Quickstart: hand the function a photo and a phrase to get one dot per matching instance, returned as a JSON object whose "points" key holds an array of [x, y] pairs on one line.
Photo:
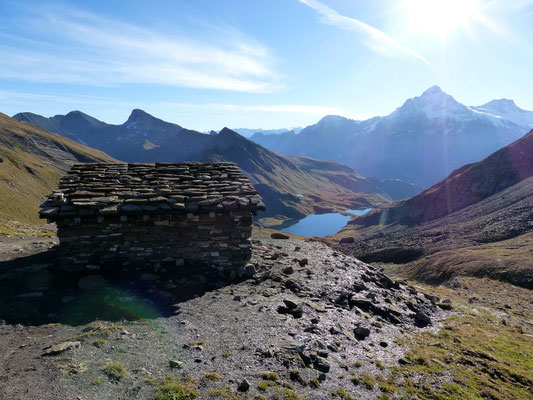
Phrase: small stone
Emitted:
{"points": [[244, 386], [174, 364], [303, 262], [60, 348], [288, 270]]}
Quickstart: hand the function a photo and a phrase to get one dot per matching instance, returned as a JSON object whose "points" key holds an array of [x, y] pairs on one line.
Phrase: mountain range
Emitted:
{"points": [[292, 187], [422, 141], [247, 133], [479, 221]]}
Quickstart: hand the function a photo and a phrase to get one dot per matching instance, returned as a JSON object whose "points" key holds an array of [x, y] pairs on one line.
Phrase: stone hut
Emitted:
{"points": [[153, 216]]}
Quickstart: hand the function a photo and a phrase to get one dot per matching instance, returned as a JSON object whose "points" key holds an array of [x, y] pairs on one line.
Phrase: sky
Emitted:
{"points": [[206, 64]]}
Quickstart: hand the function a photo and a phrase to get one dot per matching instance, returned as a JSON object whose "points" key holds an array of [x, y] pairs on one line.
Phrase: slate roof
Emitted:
{"points": [[160, 188]]}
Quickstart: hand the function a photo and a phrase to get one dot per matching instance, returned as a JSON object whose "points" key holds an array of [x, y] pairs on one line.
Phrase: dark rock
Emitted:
{"points": [[422, 319], [361, 333], [248, 271], [244, 386], [363, 304], [444, 306], [290, 304], [320, 364], [292, 285], [279, 235], [288, 270], [347, 240], [303, 262], [383, 344], [174, 364], [298, 312]]}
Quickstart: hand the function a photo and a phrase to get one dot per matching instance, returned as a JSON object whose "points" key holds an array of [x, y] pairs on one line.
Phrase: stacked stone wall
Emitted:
{"points": [[152, 242]]}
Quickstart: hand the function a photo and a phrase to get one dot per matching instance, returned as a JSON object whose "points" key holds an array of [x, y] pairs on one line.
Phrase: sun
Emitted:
{"points": [[440, 17]]}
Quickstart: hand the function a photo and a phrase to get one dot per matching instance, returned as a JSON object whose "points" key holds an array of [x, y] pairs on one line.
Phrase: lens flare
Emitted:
{"points": [[440, 17]]}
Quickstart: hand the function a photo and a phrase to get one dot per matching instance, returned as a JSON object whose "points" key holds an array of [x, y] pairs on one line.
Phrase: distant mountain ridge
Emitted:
{"points": [[324, 185], [247, 133], [422, 141]]}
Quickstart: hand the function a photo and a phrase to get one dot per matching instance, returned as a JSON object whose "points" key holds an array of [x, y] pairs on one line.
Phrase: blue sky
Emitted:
{"points": [[205, 64]]}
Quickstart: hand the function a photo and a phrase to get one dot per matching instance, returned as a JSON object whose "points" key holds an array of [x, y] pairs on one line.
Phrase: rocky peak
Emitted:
{"points": [[226, 132], [434, 103], [501, 105], [138, 115]]}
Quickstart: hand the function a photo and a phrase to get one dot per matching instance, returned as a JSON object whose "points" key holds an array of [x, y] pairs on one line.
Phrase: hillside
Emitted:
{"points": [[422, 141], [292, 187], [478, 221], [465, 186], [31, 163]]}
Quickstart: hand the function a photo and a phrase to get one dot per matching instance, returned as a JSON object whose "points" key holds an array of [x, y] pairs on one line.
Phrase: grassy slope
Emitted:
{"points": [[481, 352], [33, 162]]}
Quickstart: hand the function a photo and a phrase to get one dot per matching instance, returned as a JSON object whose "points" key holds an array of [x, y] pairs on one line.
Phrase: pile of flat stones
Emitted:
{"points": [[111, 189]]}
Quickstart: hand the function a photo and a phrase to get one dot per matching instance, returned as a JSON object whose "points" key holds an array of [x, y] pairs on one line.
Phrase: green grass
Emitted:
{"points": [[270, 376], [211, 377], [114, 370], [175, 389], [342, 394], [364, 379]]}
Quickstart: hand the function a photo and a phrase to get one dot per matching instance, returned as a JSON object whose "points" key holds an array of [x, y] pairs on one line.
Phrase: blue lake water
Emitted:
{"points": [[318, 225], [359, 212]]}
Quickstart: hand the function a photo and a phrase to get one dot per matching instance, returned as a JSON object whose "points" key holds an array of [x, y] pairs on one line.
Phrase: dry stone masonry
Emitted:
{"points": [[162, 215]]}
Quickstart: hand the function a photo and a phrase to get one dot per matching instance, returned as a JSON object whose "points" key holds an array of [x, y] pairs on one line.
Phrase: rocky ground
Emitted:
{"points": [[308, 320]]}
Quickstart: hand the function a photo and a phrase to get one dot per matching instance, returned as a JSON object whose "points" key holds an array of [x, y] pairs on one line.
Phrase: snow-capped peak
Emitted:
{"points": [[507, 110], [500, 105], [433, 103]]}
